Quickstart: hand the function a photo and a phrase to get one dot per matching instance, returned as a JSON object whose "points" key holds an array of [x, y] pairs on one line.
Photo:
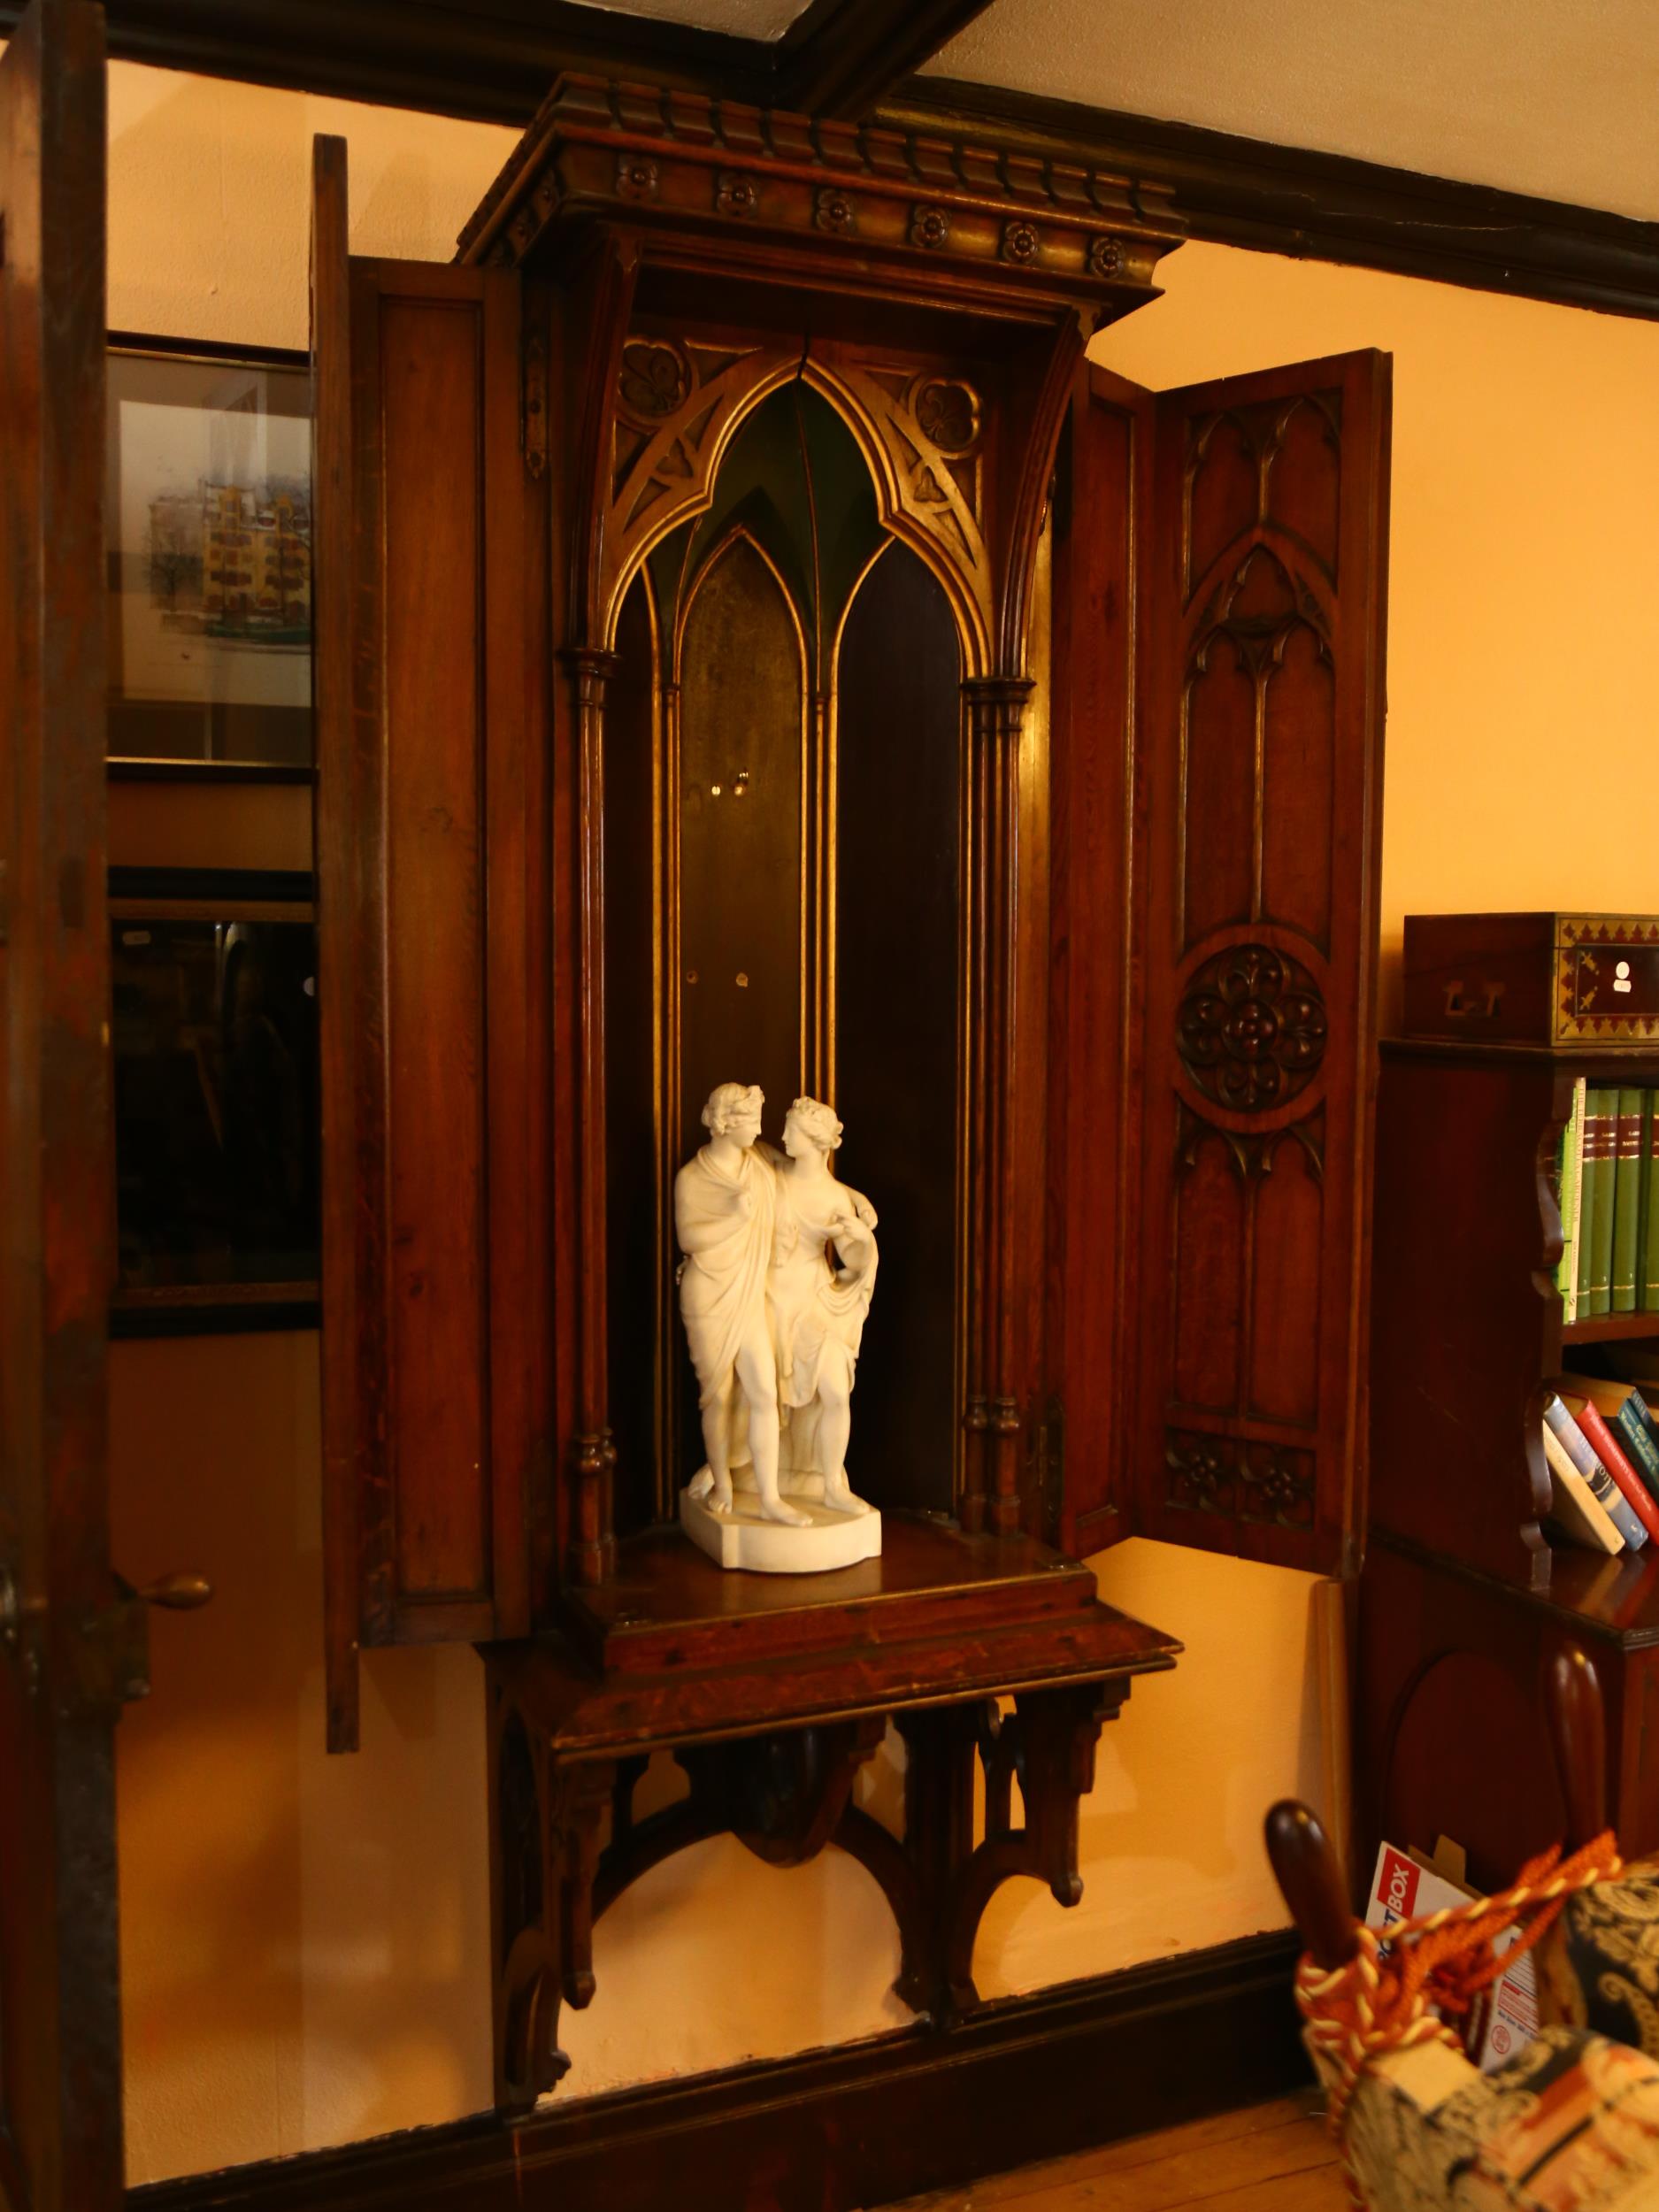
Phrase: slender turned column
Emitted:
{"points": [[593, 1547], [996, 712]]}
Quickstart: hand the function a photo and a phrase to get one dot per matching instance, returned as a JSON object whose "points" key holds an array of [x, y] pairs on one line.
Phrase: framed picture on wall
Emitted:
{"points": [[209, 506], [214, 1050]]}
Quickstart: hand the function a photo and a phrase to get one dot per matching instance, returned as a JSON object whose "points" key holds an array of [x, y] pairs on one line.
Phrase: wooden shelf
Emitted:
{"points": [[1608, 1328], [1615, 1598]]}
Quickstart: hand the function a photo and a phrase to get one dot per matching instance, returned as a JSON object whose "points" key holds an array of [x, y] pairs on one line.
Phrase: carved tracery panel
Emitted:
{"points": [[1262, 912]]}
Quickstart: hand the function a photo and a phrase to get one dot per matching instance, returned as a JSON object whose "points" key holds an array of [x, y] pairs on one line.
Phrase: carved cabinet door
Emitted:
{"points": [[1219, 570], [1262, 703], [67, 1649]]}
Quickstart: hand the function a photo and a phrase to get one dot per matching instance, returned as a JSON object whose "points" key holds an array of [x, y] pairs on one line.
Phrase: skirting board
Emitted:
{"points": [[833, 2130]]}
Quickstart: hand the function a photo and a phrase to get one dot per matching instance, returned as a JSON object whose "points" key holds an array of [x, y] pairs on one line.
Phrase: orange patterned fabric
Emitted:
{"points": [[1410, 1986], [1571, 2124]]}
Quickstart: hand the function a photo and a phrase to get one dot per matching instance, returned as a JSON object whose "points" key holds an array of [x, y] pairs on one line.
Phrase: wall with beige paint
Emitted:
{"points": [[304, 1939]]}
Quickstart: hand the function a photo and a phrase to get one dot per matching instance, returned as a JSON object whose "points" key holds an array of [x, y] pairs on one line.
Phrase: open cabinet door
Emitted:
{"points": [[433, 902], [68, 1648], [1263, 590]]}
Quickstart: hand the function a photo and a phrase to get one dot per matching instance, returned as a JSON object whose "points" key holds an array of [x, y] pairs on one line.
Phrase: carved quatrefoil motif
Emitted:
{"points": [[655, 382], [1251, 1481], [948, 411], [1252, 1028]]}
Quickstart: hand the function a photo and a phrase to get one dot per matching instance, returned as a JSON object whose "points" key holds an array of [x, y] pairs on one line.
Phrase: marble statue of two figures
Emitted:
{"points": [[779, 1264]]}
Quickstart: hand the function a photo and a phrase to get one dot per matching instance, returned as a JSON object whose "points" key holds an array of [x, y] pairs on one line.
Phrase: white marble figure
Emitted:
{"points": [[724, 1208], [818, 1307], [774, 1326]]}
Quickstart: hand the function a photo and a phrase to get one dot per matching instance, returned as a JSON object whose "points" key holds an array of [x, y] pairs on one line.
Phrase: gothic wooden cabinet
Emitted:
{"points": [[754, 642], [751, 641]]}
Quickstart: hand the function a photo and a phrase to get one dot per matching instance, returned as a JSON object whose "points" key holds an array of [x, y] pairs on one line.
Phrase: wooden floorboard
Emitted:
{"points": [[1275, 2157]]}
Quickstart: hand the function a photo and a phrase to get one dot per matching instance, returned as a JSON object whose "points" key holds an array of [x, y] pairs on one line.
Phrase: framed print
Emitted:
{"points": [[214, 1046], [210, 517]]}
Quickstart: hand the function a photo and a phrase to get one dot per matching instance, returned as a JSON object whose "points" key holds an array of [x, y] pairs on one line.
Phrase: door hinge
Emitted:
{"points": [[1047, 1453], [535, 402]]}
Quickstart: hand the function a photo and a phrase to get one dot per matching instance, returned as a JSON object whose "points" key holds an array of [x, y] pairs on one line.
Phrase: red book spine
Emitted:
{"points": [[1612, 1456]]}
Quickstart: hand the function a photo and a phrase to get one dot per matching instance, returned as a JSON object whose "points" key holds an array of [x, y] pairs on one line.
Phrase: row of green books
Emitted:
{"points": [[1609, 1202]]}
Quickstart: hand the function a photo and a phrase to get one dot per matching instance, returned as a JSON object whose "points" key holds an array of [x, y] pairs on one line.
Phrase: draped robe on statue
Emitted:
{"points": [[817, 1318], [723, 1276]]}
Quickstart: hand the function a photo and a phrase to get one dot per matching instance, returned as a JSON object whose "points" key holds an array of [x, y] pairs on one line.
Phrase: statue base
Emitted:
{"points": [[744, 1538]]}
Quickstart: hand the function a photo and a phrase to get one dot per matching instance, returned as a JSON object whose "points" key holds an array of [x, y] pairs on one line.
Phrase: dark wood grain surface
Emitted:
{"points": [[1266, 583], [69, 1650]]}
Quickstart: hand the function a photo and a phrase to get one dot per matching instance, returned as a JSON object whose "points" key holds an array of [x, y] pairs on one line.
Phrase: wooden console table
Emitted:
{"points": [[771, 1694]]}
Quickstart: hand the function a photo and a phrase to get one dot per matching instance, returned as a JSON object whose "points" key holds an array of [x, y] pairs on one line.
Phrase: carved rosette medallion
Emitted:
{"points": [[735, 194], [1019, 244], [930, 227], [655, 382], [947, 411], [835, 212], [636, 178], [1105, 257], [1252, 1028]]}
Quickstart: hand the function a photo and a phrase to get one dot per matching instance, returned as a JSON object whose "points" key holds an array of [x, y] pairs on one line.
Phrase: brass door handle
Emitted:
{"points": [[182, 1593]]}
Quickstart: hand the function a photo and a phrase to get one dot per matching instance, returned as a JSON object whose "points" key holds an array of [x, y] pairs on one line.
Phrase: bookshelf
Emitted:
{"points": [[1461, 1593]]}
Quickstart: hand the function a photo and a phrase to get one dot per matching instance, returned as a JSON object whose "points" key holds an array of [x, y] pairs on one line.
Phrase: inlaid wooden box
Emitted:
{"points": [[1577, 980]]}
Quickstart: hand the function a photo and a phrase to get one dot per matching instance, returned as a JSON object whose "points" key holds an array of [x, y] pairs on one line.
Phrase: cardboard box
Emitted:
{"points": [[1406, 1887]]}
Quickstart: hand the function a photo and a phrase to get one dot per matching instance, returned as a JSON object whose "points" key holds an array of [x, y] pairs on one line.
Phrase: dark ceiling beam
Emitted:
{"points": [[1323, 207], [495, 62], [841, 58], [492, 62]]}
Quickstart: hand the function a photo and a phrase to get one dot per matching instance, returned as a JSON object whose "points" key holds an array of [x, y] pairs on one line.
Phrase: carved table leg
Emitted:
{"points": [[545, 1822], [940, 1744], [1054, 1735]]}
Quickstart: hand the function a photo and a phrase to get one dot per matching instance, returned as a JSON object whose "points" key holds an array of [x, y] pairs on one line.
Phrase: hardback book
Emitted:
{"points": [[1621, 1406], [1580, 1517], [1605, 1491], [1571, 1184], [1627, 1150], [1615, 1458], [1648, 1298], [1600, 1124]]}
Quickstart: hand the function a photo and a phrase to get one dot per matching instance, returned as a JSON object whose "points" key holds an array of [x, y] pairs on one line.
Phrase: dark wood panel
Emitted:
{"points": [[898, 786], [1101, 507], [833, 2130], [346, 917], [638, 1260], [429, 392], [69, 1650], [1450, 1733], [1265, 590], [1462, 1339], [432, 875], [742, 980]]}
